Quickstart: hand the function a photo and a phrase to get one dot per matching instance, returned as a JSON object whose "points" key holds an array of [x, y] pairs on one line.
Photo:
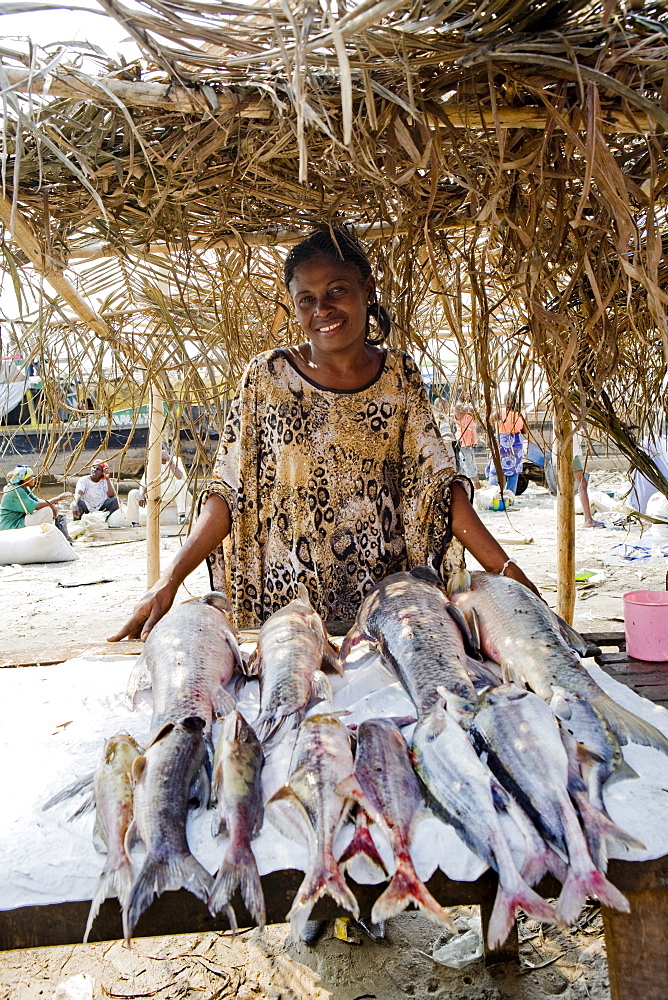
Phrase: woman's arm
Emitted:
{"points": [[474, 536], [211, 527]]}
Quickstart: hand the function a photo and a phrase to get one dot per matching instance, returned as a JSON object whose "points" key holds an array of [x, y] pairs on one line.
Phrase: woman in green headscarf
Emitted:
{"points": [[21, 508]]}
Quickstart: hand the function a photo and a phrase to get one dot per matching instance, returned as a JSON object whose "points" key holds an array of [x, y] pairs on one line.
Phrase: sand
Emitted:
{"points": [[49, 621]]}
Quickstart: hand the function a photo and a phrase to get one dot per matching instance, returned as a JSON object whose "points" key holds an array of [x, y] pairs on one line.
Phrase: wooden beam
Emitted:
{"points": [[463, 116], [565, 517], [153, 470]]}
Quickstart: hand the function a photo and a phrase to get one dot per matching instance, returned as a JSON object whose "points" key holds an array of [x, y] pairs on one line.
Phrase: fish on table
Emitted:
{"points": [[525, 752], [113, 814], [188, 658], [292, 648], [461, 791], [239, 812], [386, 788], [309, 808], [163, 779], [419, 632]]}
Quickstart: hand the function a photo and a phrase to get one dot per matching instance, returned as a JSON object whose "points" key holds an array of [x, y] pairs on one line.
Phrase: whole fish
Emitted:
{"points": [[113, 815], [322, 758], [518, 631], [292, 647], [525, 752], [411, 621], [187, 659], [386, 788], [163, 779], [461, 790], [239, 811]]}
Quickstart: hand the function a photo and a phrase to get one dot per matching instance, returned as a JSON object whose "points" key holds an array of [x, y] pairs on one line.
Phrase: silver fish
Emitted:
{"points": [[461, 787], [187, 659], [163, 780], [518, 631], [525, 752], [388, 791], [411, 621], [292, 646], [322, 758], [113, 815], [239, 811]]}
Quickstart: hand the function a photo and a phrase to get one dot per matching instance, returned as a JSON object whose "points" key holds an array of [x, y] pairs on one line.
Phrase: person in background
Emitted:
{"points": [[510, 429], [581, 479], [21, 508], [173, 489], [94, 492], [467, 439]]}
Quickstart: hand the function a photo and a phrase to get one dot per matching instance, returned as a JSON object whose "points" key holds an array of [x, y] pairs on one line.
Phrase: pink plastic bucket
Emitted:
{"points": [[646, 624]]}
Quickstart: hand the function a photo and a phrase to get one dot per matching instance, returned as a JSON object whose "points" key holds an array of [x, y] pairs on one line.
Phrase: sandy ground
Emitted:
{"points": [[44, 619]]}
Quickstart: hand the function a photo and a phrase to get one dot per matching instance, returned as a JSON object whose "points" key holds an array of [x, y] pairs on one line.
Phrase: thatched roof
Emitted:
{"points": [[507, 161]]}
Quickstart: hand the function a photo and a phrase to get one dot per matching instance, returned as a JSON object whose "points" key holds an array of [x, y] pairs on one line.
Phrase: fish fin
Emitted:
{"points": [[251, 667], [405, 887], [362, 843], [600, 830], [331, 659], [137, 770], [200, 790], [459, 582], [622, 772], [99, 842], [88, 805], [288, 815], [112, 882], [471, 642], [577, 887], [80, 785], [268, 728], [218, 824], [505, 907], [132, 836], [180, 872], [481, 675], [323, 878], [570, 635], [239, 870], [223, 703], [627, 727], [321, 687], [303, 595], [233, 643], [428, 574], [353, 636], [216, 599], [139, 680]]}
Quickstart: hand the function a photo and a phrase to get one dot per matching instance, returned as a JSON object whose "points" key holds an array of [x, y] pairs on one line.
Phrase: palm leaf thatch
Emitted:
{"points": [[506, 161]]}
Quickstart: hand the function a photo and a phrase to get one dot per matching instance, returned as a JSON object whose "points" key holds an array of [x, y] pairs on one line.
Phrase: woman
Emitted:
{"points": [[511, 429], [21, 508], [330, 471]]}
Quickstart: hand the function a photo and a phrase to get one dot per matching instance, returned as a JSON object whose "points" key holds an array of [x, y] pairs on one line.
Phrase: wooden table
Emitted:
{"points": [[637, 943]]}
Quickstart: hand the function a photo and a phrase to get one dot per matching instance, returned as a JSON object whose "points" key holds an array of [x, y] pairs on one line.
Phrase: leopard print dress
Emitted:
{"points": [[331, 488]]}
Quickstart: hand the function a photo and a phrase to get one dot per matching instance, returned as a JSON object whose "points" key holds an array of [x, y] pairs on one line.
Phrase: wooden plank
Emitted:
{"points": [[636, 947], [56, 653]]}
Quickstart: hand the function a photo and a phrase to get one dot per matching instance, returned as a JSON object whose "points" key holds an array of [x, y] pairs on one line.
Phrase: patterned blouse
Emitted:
{"points": [[328, 487]]}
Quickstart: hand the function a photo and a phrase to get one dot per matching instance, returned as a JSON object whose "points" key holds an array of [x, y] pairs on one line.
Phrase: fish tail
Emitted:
{"points": [[505, 908], [576, 889], [239, 870], [268, 728], [362, 843], [113, 882], [324, 878], [600, 830], [405, 887], [182, 871], [627, 727]]}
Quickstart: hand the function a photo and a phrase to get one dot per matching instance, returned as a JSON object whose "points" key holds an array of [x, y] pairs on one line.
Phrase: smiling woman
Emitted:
{"points": [[331, 471]]}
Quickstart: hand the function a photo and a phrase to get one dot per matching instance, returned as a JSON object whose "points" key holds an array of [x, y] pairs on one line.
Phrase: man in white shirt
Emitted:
{"points": [[95, 492], [173, 489]]}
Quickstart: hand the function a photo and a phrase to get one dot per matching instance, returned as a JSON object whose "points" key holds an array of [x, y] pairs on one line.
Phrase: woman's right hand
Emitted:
{"points": [[147, 613]]}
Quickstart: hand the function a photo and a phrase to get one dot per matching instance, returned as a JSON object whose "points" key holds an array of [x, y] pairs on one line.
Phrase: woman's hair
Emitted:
{"points": [[339, 244]]}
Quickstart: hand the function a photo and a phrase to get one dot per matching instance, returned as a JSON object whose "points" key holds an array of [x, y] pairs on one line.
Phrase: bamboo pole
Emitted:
{"points": [[153, 469], [565, 517]]}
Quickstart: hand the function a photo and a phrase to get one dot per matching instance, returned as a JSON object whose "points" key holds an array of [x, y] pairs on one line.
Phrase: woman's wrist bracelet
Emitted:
{"points": [[502, 571]]}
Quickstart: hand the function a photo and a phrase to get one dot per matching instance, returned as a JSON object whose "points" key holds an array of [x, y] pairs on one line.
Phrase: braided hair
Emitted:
{"points": [[340, 244]]}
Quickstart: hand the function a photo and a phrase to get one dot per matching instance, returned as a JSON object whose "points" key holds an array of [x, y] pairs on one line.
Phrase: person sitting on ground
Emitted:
{"points": [[330, 471], [95, 492], [21, 508], [173, 489], [467, 439]]}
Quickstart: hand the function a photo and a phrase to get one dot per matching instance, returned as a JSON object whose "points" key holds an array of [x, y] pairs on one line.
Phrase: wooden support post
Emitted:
{"points": [[636, 947], [565, 517], [153, 470]]}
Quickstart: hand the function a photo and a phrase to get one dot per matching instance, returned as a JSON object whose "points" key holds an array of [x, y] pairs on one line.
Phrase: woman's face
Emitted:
{"points": [[330, 299]]}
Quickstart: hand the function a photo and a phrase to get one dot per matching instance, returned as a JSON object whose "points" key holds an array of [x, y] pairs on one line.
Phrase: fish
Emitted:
{"points": [[526, 754], [163, 779], [188, 658], [239, 811], [411, 621], [519, 631], [113, 815], [388, 791], [460, 790], [308, 806], [292, 647]]}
